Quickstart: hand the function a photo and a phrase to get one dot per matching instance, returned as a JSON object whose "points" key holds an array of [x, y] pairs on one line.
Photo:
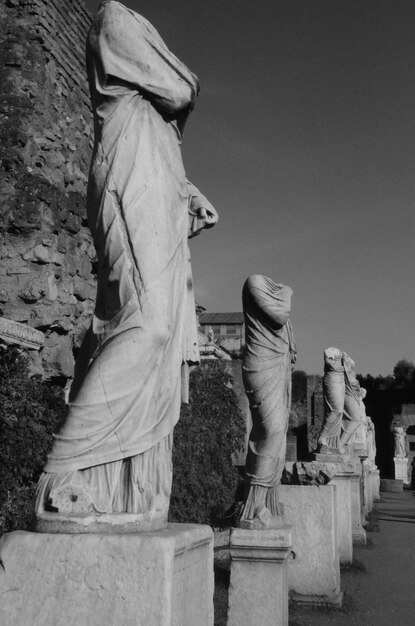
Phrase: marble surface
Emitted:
{"points": [[160, 578], [314, 572], [131, 371], [258, 592], [269, 354]]}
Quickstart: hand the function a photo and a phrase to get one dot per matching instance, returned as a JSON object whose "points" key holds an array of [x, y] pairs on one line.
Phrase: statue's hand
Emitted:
{"points": [[207, 216], [201, 213], [200, 218]]}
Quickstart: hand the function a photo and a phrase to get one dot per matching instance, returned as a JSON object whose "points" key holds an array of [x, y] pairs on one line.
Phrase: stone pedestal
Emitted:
{"points": [[342, 482], [159, 578], [367, 504], [331, 457], [369, 488], [375, 480], [314, 572], [258, 592], [401, 468], [391, 485], [358, 532]]}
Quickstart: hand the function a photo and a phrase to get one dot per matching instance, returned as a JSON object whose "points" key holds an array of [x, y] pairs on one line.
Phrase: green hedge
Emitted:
{"points": [[29, 411], [210, 429]]}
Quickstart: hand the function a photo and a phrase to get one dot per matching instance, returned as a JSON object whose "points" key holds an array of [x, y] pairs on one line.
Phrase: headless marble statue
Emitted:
{"points": [[112, 453], [342, 402], [269, 354]]}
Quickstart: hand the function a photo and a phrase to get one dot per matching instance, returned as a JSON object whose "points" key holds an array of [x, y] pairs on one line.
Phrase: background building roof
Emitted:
{"points": [[221, 318]]}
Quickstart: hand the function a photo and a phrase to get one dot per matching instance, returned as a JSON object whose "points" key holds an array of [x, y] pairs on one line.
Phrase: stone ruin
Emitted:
{"points": [[47, 256]]}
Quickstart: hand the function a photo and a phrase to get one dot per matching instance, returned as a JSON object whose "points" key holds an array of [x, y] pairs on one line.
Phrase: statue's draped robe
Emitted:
{"points": [[266, 369], [353, 416], [400, 442], [125, 398], [341, 393], [333, 396]]}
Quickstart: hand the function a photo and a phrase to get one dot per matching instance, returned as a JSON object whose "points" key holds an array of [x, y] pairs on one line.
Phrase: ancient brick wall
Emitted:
{"points": [[315, 410], [47, 256]]}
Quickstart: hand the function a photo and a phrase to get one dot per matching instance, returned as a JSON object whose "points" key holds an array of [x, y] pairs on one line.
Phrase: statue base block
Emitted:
{"points": [[358, 532], [367, 501], [258, 592], [375, 478], [401, 468], [342, 482], [332, 457], [391, 485], [314, 572], [159, 578]]}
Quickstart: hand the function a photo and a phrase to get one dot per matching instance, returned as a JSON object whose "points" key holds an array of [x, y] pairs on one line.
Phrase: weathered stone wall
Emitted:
{"points": [[47, 256], [315, 410]]}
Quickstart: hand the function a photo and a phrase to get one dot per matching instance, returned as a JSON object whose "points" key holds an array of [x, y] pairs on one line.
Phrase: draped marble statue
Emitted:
{"points": [[400, 441], [269, 354], [112, 453], [342, 401], [360, 436]]}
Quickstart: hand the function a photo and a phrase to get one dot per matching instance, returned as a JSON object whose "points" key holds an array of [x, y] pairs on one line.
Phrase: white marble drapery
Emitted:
{"points": [[269, 353], [342, 400], [125, 398]]}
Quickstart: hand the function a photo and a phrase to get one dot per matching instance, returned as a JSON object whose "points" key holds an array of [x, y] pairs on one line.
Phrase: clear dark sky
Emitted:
{"points": [[303, 137]]}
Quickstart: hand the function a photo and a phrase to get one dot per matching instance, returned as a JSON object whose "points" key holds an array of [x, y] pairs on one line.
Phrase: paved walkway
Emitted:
{"points": [[380, 585]]}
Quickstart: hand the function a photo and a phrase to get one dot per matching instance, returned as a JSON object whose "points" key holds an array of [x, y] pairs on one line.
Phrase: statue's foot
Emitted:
{"points": [[262, 520]]}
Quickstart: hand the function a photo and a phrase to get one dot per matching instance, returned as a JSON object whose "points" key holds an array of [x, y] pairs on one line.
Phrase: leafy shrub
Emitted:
{"points": [[29, 410], [299, 387], [210, 430]]}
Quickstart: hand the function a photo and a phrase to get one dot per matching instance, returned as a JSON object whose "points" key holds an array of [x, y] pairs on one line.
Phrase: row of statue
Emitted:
{"points": [[112, 452]]}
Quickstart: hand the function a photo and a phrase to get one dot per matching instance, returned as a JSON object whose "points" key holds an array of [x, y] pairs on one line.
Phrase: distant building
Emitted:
{"points": [[228, 329]]}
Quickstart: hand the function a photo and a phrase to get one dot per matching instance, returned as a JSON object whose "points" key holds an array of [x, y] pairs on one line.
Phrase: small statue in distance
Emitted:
{"points": [[400, 442], [269, 354]]}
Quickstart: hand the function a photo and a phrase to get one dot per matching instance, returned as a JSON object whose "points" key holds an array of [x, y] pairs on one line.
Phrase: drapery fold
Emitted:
{"points": [[269, 353], [126, 393]]}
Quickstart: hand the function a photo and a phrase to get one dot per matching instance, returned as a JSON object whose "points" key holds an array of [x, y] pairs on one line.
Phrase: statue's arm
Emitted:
{"points": [[131, 49], [202, 214]]}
